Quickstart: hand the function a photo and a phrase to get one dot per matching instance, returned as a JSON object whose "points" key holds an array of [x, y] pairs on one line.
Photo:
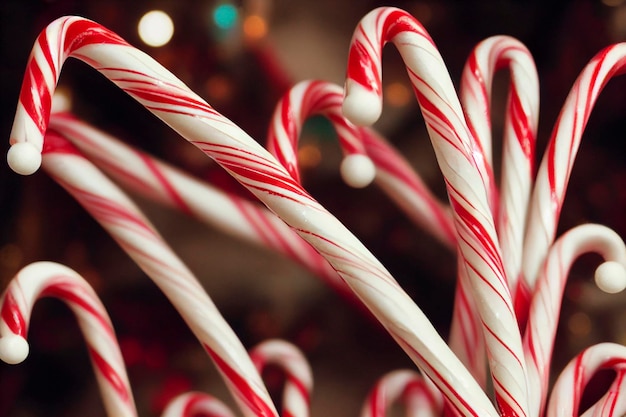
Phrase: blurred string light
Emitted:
{"points": [[156, 28]]}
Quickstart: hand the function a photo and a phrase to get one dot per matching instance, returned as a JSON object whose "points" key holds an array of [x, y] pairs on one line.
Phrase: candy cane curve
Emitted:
{"points": [[416, 393], [556, 166], [570, 384], [191, 404], [165, 96], [120, 217], [295, 106], [299, 378], [520, 131], [49, 279], [546, 301], [167, 185], [467, 190], [390, 170]]}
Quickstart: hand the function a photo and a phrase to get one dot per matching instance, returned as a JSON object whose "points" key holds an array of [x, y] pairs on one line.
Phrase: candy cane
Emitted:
{"points": [[466, 334], [411, 388], [556, 166], [164, 95], [367, 155], [192, 404], [570, 385], [301, 101], [520, 130], [299, 379], [467, 190], [167, 185], [546, 301], [134, 233], [48, 279]]}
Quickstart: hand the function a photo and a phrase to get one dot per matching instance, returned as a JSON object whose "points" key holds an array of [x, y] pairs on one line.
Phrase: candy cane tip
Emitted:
{"points": [[360, 105], [358, 170], [13, 349], [24, 158], [610, 277]]}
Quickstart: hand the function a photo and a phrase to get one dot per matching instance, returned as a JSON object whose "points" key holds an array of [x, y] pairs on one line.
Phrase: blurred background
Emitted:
{"points": [[241, 56]]}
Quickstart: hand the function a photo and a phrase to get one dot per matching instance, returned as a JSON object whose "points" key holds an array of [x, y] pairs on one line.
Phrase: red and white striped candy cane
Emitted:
{"points": [[299, 379], [394, 175], [520, 131], [192, 404], [303, 100], [367, 156], [467, 190], [570, 385], [134, 233], [256, 169], [520, 128], [546, 300], [416, 393], [172, 187], [49, 279], [556, 166]]}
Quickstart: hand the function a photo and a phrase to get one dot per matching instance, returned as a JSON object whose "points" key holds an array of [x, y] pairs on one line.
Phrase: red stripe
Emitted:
{"points": [[110, 374], [12, 316], [244, 391]]}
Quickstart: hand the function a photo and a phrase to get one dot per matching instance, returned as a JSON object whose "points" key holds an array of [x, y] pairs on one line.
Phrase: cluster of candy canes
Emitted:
{"points": [[488, 230]]}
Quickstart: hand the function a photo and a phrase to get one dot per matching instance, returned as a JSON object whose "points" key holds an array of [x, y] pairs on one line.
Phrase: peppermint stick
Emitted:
{"points": [[191, 404], [556, 166], [520, 130], [417, 394], [367, 155], [299, 380], [119, 216], [467, 190], [49, 279], [172, 187], [545, 307], [571, 383], [168, 98]]}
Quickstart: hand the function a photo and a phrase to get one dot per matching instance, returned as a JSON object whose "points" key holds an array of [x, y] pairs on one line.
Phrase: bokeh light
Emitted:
{"points": [[156, 28], [254, 27], [397, 94], [225, 16]]}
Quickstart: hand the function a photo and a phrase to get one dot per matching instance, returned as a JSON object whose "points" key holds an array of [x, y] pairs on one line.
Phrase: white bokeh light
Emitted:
{"points": [[156, 28]]}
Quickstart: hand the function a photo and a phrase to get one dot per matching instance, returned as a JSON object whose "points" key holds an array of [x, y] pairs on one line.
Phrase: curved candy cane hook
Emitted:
{"points": [[545, 305], [367, 155], [570, 385], [299, 379], [49, 279], [417, 394], [520, 131], [192, 404], [557, 163]]}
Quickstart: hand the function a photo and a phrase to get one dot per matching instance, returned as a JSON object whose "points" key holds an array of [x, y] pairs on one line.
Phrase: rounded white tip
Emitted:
{"points": [[358, 170], [610, 277], [361, 106], [24, 158], [13, 349]]}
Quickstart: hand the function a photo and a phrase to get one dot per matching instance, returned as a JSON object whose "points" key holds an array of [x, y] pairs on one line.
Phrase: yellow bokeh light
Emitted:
{"points": [[156, 28]]}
